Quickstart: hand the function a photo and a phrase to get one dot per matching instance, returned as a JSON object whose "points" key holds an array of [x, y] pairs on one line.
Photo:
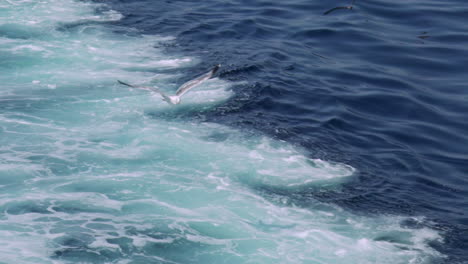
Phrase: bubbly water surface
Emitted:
{"points": [[94, 172]]}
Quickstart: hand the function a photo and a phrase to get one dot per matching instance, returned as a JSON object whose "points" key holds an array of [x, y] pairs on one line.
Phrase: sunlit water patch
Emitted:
{"points": [[92, 172]]}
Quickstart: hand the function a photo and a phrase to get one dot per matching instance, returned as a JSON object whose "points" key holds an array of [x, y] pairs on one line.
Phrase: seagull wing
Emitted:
{"points": [[337, 8], [146, 88], [139, 87], [192, 83], [11, 3]]}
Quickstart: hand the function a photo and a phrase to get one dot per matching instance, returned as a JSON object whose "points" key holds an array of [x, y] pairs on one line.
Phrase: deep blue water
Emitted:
{"points": [[381, 88]]}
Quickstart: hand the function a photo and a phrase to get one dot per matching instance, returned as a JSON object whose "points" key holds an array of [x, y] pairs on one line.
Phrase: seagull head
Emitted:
{"points": [[172, 99]]}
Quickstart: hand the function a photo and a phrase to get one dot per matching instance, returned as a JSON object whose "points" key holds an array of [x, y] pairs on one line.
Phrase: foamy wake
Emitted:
{"points": [[93, 172]]}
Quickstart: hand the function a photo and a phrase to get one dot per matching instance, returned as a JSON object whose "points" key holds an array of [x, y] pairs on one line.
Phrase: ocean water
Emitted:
{"points": [[337, 138]]}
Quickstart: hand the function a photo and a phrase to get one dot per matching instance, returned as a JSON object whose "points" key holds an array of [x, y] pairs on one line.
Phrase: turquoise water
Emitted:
{"points": [[93, 172]]}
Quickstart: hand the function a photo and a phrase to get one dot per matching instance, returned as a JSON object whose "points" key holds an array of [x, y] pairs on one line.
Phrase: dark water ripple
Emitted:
{"points": [[381, 87]]}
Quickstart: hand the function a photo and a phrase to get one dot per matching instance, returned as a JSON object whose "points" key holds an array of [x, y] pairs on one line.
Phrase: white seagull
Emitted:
{"points": [[184, 88]]}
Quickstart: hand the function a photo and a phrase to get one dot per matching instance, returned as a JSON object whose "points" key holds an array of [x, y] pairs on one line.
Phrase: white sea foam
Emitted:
{"points": [[101, 170]]}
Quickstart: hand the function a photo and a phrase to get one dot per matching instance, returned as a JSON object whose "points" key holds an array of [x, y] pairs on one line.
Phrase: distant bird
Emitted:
{"points": [[340, 7], [184, 88]]}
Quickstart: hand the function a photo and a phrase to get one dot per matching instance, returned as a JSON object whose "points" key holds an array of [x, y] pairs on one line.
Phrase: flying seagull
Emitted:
{"points": [[184, 88], [340, 7]]}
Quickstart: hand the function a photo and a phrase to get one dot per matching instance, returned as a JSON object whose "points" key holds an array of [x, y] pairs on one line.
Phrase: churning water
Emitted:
{"points": [[95, 172]]}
